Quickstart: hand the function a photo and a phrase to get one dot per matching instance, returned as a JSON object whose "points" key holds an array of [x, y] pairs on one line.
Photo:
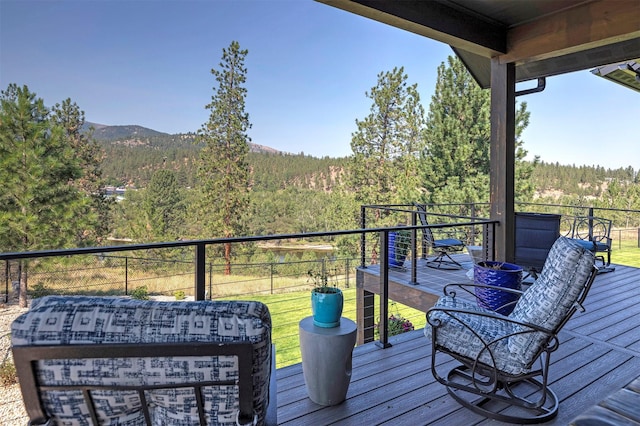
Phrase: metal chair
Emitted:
{"points": [[502, 368], [441, 247], [594, 234]]}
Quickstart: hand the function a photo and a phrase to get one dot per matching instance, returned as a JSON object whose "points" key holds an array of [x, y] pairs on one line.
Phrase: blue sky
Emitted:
{"points": [[309, 66]]}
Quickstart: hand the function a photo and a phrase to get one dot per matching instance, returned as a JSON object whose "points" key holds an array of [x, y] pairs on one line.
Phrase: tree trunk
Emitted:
{"points": [[227, 258], [22, 273]]}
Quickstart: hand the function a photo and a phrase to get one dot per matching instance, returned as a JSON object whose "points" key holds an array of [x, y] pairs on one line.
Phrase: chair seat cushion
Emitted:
{"points": [[59, 320], [472, 336], [590, 245], [447, 242]]}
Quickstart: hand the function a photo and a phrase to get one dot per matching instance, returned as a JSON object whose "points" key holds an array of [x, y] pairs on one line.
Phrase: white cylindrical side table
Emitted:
{"points": [[326, 359]]}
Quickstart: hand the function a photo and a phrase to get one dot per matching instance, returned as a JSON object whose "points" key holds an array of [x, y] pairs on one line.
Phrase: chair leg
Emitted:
{"points": [[509, 403], [606, 265], [444, 261]]}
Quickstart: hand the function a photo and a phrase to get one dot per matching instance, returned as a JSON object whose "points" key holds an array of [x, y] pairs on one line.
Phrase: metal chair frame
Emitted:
{"points": [[27, 357], [597, 231], [442, 247], [487, 390]]}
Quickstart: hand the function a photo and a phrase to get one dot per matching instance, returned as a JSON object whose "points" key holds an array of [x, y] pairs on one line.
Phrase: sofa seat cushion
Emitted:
{"points": [[58, 320]]}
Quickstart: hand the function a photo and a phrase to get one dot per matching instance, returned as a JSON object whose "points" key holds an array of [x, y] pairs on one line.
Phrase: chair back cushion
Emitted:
{"points": [[548, 300], [58, 320]]}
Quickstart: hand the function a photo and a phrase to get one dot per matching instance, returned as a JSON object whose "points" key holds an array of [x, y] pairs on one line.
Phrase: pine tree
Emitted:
{"points": [[456, 161], [93, 223], [383, 167], [223, 170], [163, 206], [38, 165]]}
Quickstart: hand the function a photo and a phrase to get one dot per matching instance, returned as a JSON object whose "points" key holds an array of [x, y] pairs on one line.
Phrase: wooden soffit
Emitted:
{"points": [[541, 37]]}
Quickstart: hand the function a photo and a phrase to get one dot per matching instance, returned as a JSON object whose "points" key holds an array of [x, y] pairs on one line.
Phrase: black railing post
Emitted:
{"points": [[414, 245], [201, 267], [473, 227], [363, 237], [126, 275], [383, 325]]}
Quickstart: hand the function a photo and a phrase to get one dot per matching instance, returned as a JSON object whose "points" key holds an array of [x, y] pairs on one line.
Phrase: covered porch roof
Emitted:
{"points": [[503, 42], [541, 37]]}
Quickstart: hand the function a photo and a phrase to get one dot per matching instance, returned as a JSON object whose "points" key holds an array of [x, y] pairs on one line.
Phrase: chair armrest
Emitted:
{"points": [[486, 314], [466, 287], [482, 340]]}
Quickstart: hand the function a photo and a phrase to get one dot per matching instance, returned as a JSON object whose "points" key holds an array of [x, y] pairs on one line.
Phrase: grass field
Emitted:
{"points": [[626, 252], [288, 309]]}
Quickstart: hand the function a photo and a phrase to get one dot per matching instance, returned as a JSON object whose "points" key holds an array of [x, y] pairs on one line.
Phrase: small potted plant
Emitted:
{"points": [[398, 248], [327, 300]]}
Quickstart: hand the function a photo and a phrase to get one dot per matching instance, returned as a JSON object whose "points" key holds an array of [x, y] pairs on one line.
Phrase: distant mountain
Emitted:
{"points": [[261, 149], [134, 135], [108, 133]]}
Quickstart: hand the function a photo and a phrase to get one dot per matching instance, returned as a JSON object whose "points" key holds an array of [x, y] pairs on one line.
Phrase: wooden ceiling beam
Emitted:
{"points": [[433, 20], [583, 27]]}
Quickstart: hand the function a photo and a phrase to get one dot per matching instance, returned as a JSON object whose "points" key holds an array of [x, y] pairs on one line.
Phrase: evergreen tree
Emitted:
{"points": [[39, 203], [164, 207], [456, 159], [93, 223], [387, 142], [223, 170]]}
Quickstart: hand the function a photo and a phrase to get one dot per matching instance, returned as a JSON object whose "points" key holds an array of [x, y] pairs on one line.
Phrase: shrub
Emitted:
{"points": [[397, 325], [39, 290], [8, 373], [140, 293], [179, 295]]}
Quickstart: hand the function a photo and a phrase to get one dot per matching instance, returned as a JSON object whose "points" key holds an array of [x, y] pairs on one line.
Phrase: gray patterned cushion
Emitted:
{"points": [[58, 320], [545, 303], [548, 300], [455, 334]]}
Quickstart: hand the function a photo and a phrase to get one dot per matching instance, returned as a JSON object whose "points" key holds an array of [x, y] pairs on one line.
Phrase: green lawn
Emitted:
{"points": [[626, 252], [288, 309]]}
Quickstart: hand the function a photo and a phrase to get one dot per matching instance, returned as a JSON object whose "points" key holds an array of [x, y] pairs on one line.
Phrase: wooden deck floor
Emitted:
{"points": [[599, 354]]}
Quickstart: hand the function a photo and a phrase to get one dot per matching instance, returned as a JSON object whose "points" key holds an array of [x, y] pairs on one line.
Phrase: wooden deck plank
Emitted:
{"points": [[590, 395], [599, 354]]}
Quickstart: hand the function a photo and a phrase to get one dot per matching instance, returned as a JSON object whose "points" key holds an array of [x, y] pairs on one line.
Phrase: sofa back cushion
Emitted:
{"points": [[58, 320]]}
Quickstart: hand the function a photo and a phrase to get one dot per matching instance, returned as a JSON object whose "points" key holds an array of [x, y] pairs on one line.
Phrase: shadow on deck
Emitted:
{"points": [[599, 354]]}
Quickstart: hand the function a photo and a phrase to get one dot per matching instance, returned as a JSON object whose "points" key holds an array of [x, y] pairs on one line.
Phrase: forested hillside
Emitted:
{"points": [[131, 159], [555, 180]]}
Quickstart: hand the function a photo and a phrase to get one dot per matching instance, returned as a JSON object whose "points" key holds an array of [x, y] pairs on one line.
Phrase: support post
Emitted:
{"points": [[502, 157]]}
